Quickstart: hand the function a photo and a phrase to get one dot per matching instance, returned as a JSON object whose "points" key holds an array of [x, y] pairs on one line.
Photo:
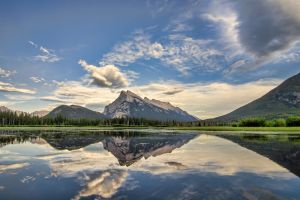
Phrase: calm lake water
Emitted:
{"points": [[148, 165]]}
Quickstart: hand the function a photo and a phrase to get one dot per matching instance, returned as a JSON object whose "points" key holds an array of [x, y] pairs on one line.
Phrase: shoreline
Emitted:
{"points": [[103, 128]]}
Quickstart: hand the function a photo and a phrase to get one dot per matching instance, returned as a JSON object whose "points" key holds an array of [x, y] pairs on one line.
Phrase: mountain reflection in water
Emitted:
{"points": [[147, 165]]}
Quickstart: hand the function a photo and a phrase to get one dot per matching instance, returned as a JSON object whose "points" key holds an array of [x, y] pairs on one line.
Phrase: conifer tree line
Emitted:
{"points": [[25, 119], [10, 118]]}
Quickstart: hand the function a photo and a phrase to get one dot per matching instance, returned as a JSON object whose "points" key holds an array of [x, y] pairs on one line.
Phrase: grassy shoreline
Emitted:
{"points": [[206, 128]]}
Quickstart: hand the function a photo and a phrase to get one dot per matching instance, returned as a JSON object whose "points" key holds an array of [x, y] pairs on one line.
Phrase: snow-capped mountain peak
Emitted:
{"points": [[129, 104]]}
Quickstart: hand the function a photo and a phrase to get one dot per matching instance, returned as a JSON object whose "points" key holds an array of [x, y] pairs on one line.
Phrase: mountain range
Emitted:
{"points": [[128, 104], [281, 102]]}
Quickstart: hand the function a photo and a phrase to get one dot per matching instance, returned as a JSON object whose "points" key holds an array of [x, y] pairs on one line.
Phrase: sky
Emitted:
{"points": [[208, 57]]}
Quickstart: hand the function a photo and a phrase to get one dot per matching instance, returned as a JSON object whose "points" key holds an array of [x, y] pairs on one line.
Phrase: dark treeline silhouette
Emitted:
{"points": [[25, 119]]}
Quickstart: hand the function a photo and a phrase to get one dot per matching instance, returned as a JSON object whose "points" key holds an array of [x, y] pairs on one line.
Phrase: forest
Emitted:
{"points": [[24, 119]]}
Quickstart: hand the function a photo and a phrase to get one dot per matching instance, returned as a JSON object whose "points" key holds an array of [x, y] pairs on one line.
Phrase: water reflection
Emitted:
{"points": [[282, 149], [130, 150], [139, 165]]}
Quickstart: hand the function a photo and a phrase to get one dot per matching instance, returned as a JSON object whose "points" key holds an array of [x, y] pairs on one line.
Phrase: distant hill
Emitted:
{"points": [[40, 113], [75, 112], [282, 101], [129, 104]]}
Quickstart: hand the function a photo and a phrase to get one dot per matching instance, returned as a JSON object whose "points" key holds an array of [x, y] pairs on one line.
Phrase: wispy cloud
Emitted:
{"points": [[33, 44], [54, 99], [19, 97], [8, 87], [138, 47], [157, 7], [46, 55], [6, 73], [180, 52], [37, 79]]}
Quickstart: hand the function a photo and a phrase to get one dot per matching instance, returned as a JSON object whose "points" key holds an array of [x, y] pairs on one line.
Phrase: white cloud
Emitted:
{"points": [[46, 55], [8, 87], [106, 76], [37, 79], [6, 73]]}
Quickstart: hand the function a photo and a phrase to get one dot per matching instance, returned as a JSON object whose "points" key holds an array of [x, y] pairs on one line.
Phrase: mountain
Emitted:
{"points": [[40, 113], [282, 101], [129, 104], [75, 112], [4, 109]]}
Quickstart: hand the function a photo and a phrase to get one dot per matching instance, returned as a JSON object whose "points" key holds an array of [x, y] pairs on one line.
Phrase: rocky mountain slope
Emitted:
{"points": [[129, 104], [282, 101]]}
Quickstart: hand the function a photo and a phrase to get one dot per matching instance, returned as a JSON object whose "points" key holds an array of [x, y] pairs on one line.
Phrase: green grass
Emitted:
{"points": [[207, 128]]}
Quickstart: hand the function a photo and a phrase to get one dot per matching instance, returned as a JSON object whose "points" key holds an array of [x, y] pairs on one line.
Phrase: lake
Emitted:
{"points": [[148, 165]]}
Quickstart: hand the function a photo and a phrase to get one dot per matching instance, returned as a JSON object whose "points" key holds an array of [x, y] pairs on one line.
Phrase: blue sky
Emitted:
{"points": [[207, 57]]}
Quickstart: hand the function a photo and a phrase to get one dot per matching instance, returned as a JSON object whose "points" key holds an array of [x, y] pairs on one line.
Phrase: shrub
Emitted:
{"points": [[279, 122], [293, 121], [252, 122], [270, 123]]}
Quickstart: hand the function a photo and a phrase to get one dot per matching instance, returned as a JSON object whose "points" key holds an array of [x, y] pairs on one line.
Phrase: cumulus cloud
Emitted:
{"points": [[6, 73], [46, 55], [106, 76], [8, 87]]}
